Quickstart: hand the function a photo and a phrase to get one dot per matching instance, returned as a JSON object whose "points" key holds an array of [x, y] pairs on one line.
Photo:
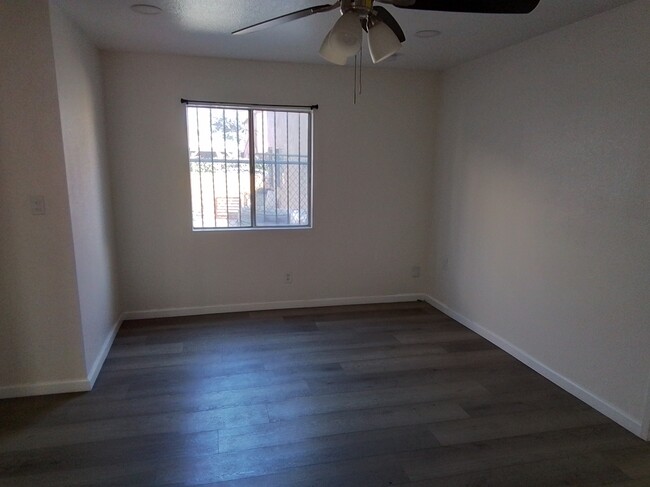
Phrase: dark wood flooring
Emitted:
{"points": [[374, 395]]}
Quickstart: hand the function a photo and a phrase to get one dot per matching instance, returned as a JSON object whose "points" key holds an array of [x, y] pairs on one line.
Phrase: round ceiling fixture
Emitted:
{"points": [[145, 9], [426, 34]]}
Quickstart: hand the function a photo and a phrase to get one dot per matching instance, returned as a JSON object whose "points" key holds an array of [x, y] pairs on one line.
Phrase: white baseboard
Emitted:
{"points": [[42, 388], [103, 353], [81, 385], [601, 405], [238, 307], [646, 419], [639, 428], [64, 386]]}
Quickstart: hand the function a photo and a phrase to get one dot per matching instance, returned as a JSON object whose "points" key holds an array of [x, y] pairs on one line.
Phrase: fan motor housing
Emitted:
{"points": [[362, 7]]}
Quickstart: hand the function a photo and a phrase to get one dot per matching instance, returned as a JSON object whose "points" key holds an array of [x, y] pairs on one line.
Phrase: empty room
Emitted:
{"points": [[289, 243]]}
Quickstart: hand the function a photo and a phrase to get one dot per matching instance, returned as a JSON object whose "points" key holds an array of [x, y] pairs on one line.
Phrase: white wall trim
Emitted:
{"points": [[42, 388], [646, 419], [238, 307], [103, 353], [65, 386], [639, 428], [596, 402], [82, 385]]}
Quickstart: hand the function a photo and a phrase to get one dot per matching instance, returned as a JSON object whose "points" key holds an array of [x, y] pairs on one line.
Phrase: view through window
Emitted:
{"points": [[239, 181]]}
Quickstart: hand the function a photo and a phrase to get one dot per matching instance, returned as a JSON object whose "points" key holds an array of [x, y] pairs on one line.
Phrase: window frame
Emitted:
{"points": [[251, 108]]}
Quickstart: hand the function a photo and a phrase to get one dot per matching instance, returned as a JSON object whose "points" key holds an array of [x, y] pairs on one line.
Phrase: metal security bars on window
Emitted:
{"points": [[239, 181]]}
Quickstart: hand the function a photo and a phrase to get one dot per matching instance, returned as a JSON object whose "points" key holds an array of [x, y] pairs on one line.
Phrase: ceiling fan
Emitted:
{"points": [[385, 36]]}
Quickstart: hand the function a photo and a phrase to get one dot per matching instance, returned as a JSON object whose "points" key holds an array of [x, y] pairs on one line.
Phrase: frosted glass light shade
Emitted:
{"points": [[344, 40], [382, 42], [330, 53]]}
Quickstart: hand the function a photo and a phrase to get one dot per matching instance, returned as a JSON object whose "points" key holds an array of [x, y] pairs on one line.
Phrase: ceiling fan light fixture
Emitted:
{"points": [[345, 36], [382, 42], [330, 53]]}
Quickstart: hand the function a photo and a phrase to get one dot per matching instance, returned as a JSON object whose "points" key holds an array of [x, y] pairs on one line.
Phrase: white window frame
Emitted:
{"points": [[251, 108]]}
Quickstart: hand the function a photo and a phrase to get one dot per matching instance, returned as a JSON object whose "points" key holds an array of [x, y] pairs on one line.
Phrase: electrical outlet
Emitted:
{"points": [[288, 278], [415, 271], [37, 204]]}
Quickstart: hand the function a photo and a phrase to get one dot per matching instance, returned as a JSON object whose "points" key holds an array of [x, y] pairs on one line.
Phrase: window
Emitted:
{"points": [[239, 181]]}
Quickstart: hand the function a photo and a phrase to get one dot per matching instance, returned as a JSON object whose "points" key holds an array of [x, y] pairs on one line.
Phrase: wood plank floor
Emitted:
{"points": [[372, 395]]}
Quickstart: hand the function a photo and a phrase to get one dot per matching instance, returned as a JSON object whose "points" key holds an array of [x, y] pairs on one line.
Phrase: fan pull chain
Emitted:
{"points": [[354, 88], [360, 64], [357, 84]]}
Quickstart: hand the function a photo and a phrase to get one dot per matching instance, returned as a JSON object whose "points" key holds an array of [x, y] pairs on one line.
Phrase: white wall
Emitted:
{"points": [[40, 335], [541, 228], [79, 83], [371, 180]]}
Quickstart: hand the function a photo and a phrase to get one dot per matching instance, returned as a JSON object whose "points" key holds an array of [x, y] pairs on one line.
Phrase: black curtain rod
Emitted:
{"points": [[202, 102]]}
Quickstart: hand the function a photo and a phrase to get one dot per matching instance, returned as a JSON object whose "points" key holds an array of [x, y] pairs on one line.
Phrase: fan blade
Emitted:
{"points": [[385, 16], [469, 6], [299, 14]]}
